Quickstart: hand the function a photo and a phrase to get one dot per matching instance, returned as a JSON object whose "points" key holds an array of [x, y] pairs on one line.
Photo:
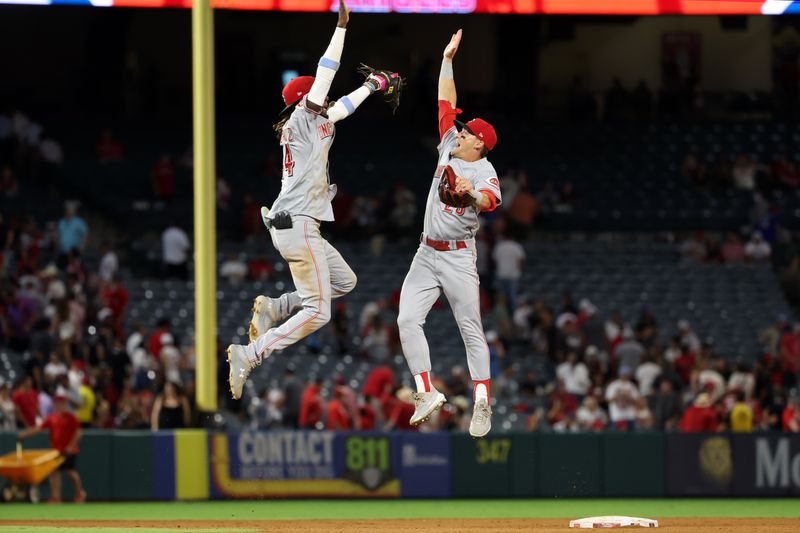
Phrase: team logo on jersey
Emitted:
{"points": [[494, 181], [325, 130]]}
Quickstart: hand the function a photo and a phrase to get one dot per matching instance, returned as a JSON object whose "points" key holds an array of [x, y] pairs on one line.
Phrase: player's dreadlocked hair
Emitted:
{"points": [[278, 126]]}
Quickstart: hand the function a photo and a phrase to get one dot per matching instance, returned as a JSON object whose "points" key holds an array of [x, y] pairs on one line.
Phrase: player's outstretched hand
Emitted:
{"points": [[344, 15], [452, 47]]}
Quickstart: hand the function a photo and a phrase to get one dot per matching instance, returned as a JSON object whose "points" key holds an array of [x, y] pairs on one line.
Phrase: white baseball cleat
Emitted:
{"points": [[425, 404], [265, 216], [481, 421], [240, 368], [264, 312]]}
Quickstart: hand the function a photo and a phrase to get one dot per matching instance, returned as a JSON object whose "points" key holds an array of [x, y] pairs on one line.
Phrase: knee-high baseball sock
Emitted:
{"points": [[423, 382]]}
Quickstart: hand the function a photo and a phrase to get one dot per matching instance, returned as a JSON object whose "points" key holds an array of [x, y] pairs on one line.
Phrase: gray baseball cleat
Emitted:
{"points": [[263, 317], [481, 421], [240, 368], [425, 404]]}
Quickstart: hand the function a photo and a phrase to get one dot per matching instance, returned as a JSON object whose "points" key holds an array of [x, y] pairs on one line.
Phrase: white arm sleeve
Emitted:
{"points": [[346, 105], [326, 70]]}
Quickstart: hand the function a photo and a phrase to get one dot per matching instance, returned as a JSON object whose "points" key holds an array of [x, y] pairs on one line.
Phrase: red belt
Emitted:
{"points": [[445, 246]]}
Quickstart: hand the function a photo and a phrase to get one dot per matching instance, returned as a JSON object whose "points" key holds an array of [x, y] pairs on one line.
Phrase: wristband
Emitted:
{"points": [[446, 73]]}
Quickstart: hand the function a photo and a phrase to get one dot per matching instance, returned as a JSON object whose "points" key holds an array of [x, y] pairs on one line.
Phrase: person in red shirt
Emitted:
{"points": [[163, 175], [701, 416], [154, 342], [400, 411], [338, 418], [26, 402], [378, 380], [790, 418], [311, 405], [65, 432], [115, 297]]}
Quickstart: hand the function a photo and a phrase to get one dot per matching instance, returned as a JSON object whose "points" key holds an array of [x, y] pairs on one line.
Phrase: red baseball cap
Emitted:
{"points": [[296, 89], [480, 129]]}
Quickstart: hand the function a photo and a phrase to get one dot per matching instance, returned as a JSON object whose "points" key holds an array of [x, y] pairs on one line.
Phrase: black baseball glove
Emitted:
{"points": [[389, 83]]}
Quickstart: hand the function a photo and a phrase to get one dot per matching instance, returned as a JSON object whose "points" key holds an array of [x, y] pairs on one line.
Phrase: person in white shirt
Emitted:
{"points": [[175, 246], [575, 376], [508, 257], [621, 396], [109, 264], [742, 380], [233, 269], [688, 337], [171, 359], [590, 416], [744, 173], [757, 249], [646, 374]]}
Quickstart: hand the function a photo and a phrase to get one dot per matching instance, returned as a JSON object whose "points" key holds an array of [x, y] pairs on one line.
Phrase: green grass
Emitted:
{"points": [[351, 509]]}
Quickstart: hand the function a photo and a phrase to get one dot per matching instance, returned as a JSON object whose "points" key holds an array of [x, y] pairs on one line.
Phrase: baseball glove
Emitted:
{"points": [[447, 190], [389, 83]]}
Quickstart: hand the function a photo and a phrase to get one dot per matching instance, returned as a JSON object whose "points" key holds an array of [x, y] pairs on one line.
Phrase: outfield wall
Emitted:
{"points": [[196, 465]]}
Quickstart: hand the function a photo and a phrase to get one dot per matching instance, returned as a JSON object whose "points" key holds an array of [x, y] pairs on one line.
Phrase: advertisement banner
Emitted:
{"points": [[286, 464], [699, 464], [425, 465], [766, 465]]}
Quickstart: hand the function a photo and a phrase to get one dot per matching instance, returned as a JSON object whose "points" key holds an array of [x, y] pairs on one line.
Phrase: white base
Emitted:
{"points": [[612, 521]]}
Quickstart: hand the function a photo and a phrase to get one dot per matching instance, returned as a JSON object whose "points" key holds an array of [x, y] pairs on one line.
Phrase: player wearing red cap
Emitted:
{"points": [[445, 260], [306, 131]]}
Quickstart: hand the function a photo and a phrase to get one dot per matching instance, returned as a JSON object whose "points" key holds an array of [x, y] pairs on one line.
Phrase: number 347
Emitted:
{"points": [[493, 451]]}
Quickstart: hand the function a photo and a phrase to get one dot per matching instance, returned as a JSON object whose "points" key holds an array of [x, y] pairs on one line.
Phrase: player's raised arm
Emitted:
{"points": [[383, 81], [447, 85], [329, 62]]}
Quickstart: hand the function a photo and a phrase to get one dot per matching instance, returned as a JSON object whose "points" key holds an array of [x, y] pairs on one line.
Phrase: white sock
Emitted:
{"points": [[481, 392]]}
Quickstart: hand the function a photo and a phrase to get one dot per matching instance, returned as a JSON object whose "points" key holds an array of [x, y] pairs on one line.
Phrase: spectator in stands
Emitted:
{"points": [[521, 212], [785, 172], [694, 171], [706, 378], [733, 249], [741, 415], [223, 193], [65, 432], [85, 411], [509, 258], [292, 391], [647, 328], [665, 406], [171, 409], [457, 382], [700, 416], [403, 210], [175, 246], [21, 313], [114, 297], [621, 396], [757, 250], [644, 417], [266, 412], [590, 416], [109, 263], [233, 269], [9, 182], [742, 380], [171, 359], [338, 418], [163, 177], [790, 350], [744, 173], [251, 217], [157, 338], [401, 409], [259, 268], [311, 404], [108, 148], [575, 376], [630, 351], [376, 340], [688, 336], [547, 199], [790, 417], [646, 374], [72, 233], [8, 410]]}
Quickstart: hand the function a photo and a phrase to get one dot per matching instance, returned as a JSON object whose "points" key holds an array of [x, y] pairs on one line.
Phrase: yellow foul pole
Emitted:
{"points": [[205, 276]]}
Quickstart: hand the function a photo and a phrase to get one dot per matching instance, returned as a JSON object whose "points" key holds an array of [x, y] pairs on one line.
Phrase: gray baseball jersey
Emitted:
{"points": [[305, 185], [443, 222]]}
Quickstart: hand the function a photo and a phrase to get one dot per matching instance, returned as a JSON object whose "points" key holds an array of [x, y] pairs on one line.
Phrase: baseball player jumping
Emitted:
{"points": [[464, 184], [306, 131]]}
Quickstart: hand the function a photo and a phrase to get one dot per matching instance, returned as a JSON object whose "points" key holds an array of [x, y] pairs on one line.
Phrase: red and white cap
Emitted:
{"points": [[296, 89], [480, 129]]}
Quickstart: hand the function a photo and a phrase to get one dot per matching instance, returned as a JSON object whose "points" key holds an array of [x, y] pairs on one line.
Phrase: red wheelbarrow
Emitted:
{"points": [[25, 470]]}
